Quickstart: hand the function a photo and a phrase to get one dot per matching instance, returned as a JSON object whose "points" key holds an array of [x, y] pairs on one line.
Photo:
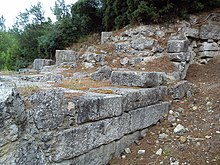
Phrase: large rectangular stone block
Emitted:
{"points": [[180, 57], [98, 156], [137, 98], [144, 117], [177, 46], [38, 64], [180, 90], [76, 141], [96, 107], [210, 31], [139, 79], [66, 56]]}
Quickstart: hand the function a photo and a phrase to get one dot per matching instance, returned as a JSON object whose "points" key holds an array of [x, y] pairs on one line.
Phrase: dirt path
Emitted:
{"points": [[200, 117]]}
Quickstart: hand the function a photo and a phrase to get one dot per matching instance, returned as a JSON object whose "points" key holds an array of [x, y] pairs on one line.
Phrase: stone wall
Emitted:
{"points": [[56, 127]]}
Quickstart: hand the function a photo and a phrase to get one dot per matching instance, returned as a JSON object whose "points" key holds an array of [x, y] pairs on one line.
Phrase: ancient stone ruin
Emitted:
{"points": [[56, 125]]}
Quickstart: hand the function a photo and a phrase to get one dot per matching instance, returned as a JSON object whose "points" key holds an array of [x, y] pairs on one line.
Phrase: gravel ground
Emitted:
{"points": [[190, 133]]}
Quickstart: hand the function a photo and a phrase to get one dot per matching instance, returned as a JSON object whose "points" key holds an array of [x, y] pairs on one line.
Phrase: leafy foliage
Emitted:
{"points": [[34, 36]]}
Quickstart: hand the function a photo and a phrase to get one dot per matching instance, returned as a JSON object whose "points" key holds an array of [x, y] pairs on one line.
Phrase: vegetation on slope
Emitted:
{"points": [[34, 36]]}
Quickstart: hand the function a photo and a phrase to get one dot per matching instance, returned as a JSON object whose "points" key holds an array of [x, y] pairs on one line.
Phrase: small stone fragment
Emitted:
{"points": [[208, 137], [159, 152], [163, 136], [141, 152], [123, 156], [179, 129], [182, 139], [127, 150], [194, 108]]}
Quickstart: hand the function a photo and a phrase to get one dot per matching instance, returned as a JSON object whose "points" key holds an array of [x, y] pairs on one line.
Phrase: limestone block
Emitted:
{"points": [[208, 54], [142, 43], [106, 37], [210, 31], [124, 142], [136, 98], [38, 64], [209, 46], [122, 46], [92, 108], [180, 90], [99, 156], [102, 73], [146, 116], [179, 57], [47, 109], [141, 79], [191, 32], [76, 141], [176, 46], [66, 56]]}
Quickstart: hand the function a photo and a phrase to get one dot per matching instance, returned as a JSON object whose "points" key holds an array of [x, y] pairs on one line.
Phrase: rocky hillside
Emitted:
{"points": [[98, 98]]}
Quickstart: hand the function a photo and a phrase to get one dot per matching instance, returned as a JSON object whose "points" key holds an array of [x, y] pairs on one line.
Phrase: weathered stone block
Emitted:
{"points": [[144, 117], [38, 64], [142, 43], [176, 46], [209, 46], [47, 109], [122, 46], [180, 90], [92, 108], [210, 31], [137, 98], [106, 37], [74, 142], [102, 73], [66, 56], [191, 32], [208, 54], [141, 79], [124, 142], [98, 156], [179, 57]]}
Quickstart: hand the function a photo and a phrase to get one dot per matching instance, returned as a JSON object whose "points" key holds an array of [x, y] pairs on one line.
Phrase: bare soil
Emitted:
{"points": [[201, 116]]}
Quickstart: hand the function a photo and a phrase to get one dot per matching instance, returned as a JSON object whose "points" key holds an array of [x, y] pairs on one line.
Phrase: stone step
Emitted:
{"points": [[138, 79]]}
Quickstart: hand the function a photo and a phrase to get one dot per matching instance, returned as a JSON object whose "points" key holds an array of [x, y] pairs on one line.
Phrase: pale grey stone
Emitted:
{"points": [[179, 90], [102, 73], [209, 46], [179, 129], [144, 117], [135, 60], [160, 33], [210, 31], [88, 65], [47, 109], [92, 108], [191, 32], [138, 98], [141, 79], [179, 57], [38, 64], [122, 46], [177, 46], [106, 37], [142, 43], [76, 141], [208, 54], [66, 56], [124, 61]]}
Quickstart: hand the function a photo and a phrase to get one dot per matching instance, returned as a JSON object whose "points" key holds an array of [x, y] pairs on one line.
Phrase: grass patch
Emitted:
{"points": [[82, 84], [27, 90]]}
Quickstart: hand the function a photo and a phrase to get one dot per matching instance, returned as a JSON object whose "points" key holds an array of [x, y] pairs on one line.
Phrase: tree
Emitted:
{"points": [[60, 10], [2, 23]]}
